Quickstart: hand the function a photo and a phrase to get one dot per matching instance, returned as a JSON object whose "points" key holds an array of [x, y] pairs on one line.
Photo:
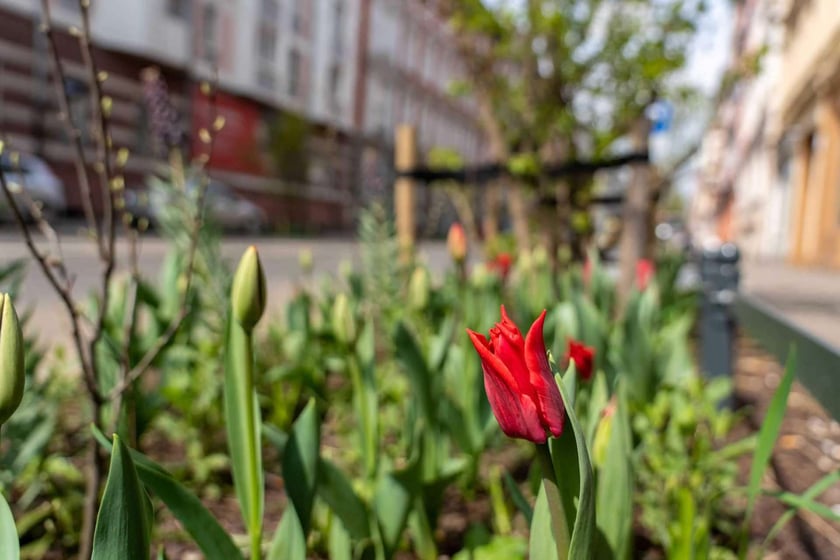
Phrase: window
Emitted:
{"points": [[332, 90], [209, 22], [294, 73], [266, 41], [178, 8], [297, 16], [338, 22], [270, 11], [265, 77]]}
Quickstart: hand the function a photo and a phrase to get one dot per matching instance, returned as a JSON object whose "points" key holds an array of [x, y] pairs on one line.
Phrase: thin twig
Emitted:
{"points": [[59, 81], [62, 291]]}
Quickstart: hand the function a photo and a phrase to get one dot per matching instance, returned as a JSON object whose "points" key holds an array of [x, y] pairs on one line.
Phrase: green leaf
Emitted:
{"points": [[9, 543], [518, 498], [393, 499], [770, 432], [243, 424], [542, 543], [339, 544], [812, 492], [568, 471], [289, 540], [337, 491], [767, 436], [205, 530], [801, 502], [615, 487], [300, 463], [123, 525], [411, 357]]}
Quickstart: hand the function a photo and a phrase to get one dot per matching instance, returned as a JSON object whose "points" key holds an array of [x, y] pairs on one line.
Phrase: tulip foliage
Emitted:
{"points": [[378, 416]]}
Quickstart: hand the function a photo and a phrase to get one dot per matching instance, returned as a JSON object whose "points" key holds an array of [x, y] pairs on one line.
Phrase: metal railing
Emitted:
{"points": [[817, 362]]}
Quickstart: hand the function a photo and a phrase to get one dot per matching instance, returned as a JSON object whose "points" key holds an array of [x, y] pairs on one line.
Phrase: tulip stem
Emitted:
{"points": [[555, 503]]}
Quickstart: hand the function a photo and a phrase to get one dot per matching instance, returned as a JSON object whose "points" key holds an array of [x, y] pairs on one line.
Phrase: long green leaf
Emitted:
{"points": [[583, 533], [243, 425], [337, 491], [769, 432], [300, 464], [543, 539], [123, 526], [767, 436], [812, 492], [9, 543], [615, 487], [211, 538], [393, 500], [289, 542], [411, 357], [801, 502]]}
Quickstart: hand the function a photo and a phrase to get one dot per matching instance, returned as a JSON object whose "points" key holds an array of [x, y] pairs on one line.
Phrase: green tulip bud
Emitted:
{"points": [[418, 289], [343, 322], [11, 359], [248, 292], [305, 261]]}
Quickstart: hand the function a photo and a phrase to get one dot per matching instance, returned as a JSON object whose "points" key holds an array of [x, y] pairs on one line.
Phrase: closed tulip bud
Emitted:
{"points": [[11, 359], [603, 433], [456, 242], [418, 288], [248, 292], [343, 322], [305, 261]]}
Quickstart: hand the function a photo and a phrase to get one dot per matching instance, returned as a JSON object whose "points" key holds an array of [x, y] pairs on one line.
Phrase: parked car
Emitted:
{"points": [[223, 206], [31, 179]]}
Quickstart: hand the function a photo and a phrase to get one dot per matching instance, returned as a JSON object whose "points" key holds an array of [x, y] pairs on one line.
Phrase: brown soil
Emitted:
{"points": [[808, 448]]}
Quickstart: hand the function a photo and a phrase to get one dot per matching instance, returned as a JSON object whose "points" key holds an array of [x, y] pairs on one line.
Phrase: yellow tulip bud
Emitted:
{"points": [[248, 294], [11, 359]]}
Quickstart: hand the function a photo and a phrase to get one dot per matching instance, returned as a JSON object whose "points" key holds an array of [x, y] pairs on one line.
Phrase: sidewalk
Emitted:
{"points": [[809, 297]]}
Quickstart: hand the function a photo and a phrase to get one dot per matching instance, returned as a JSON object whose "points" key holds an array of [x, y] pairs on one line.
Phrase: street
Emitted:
{"points": [[279, 256]]}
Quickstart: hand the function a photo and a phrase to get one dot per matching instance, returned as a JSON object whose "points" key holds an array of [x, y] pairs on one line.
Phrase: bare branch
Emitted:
{"points": [[59, 80]]}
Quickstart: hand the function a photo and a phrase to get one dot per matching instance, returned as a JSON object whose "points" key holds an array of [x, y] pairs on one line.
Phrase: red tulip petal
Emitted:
{"points": [[516, 412], [549, 400]]}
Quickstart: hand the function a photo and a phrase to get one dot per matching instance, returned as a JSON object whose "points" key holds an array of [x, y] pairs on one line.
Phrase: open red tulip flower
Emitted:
{"points": [[583, 356], [519, 382]]}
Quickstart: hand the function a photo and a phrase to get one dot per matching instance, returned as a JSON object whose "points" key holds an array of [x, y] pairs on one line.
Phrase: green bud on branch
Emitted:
{"points": [[248, 294], [11, 359]]}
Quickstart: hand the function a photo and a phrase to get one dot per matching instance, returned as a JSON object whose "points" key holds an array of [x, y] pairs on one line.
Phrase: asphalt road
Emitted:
{"points": [[280, 258]]}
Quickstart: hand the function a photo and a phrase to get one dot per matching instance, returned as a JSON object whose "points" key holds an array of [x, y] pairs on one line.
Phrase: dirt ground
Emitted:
{"points": [[808, 448]]}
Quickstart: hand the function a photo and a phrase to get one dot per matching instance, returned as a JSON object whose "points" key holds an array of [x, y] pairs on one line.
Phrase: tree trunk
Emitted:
{"points": [[636, 215], [519, 215]]}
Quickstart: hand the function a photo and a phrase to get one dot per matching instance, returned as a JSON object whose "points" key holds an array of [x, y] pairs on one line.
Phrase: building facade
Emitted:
{"points": [[285, 71], [770, 176], [409, 64]]}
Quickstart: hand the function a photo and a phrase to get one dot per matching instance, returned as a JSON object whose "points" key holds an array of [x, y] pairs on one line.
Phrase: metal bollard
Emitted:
{"points": [[719, 276]]}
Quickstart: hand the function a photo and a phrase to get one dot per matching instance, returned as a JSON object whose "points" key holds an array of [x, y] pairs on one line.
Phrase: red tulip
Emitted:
{"points": [[645, 269], [583, 356], [502, 263], [518, 379], [456, 242]]}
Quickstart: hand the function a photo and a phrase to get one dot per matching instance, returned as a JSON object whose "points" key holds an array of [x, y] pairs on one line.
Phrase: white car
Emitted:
{"points": [[31, 180]]}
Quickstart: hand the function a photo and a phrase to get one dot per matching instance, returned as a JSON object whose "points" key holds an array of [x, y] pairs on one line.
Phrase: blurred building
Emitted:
{"points": [[770, 176], [744, 193], [409, 64], [310, 91]]}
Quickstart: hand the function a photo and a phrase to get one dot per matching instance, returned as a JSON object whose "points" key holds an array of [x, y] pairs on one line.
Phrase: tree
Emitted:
{"points": [[566, 79]]}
